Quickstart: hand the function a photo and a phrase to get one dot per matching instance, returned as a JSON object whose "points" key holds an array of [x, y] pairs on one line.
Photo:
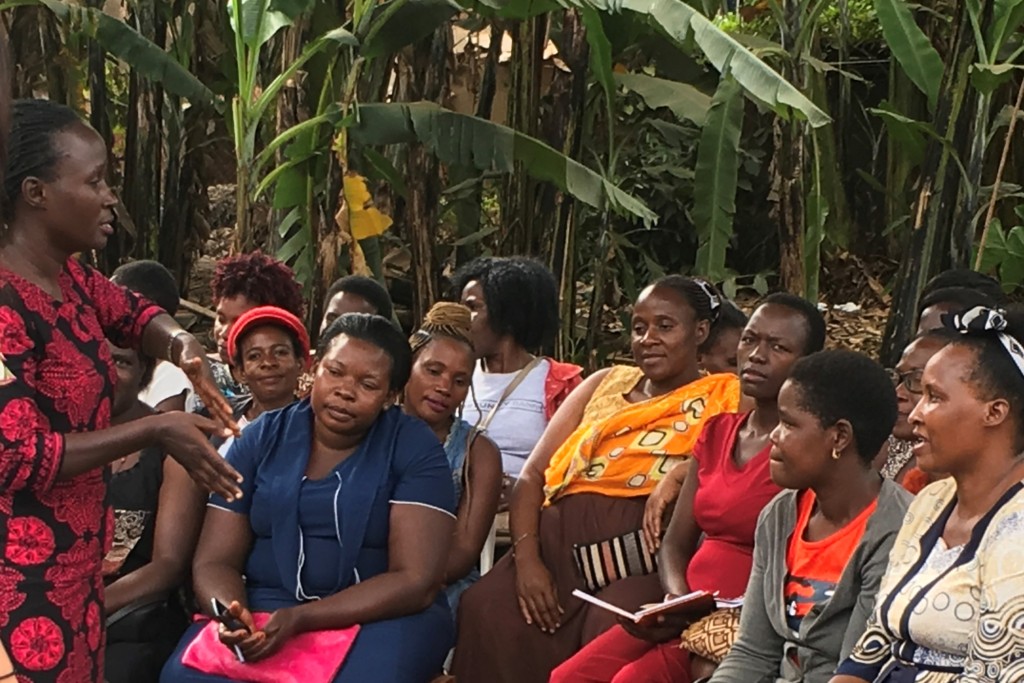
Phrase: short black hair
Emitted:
{"points": [[815, 321], [521, 296], [366, 287], [378, 331], [995, 373], [152, 280], [30, 148], [959, 298], [845, 385], [969, 279], [730, 317]]}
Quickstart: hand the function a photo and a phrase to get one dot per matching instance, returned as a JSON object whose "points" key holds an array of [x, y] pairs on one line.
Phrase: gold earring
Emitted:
{"points": [[836, 454]]}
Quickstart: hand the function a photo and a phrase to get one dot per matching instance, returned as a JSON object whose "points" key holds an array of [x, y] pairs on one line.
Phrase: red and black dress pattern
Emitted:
{"points": [[57, 377]]}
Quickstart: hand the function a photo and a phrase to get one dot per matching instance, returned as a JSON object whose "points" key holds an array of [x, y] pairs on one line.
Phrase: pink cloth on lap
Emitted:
{"points": [[313, 657]]}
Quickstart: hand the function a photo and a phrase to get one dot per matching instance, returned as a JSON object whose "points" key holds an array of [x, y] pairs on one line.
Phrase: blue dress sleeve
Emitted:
{"points": [[422, 473], [244, 455]]}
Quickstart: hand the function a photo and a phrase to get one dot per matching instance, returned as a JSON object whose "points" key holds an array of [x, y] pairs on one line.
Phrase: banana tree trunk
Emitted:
{"points": [[518, 206], [570, 91], [787, 169], [932, 214], [143, 163], [468, 211], [431, 81]]}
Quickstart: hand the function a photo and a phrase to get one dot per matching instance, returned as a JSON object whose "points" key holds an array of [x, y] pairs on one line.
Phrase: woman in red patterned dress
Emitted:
{"points": [[56, 386]]}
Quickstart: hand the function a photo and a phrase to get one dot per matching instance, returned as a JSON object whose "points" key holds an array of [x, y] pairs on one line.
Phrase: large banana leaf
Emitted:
{"points": [[398, 23], [682, 99], [511, 9], [259, 21], [682, 22], [1007, 17], [911, 47], [471, 141], [600, 57], [714, 185], [130, 46]]}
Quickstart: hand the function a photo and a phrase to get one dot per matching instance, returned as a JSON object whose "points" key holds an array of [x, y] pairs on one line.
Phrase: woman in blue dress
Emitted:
{"points": [[346, 519]]}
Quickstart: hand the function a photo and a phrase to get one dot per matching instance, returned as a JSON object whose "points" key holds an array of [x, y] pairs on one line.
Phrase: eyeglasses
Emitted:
{"points": [[911, 380]]}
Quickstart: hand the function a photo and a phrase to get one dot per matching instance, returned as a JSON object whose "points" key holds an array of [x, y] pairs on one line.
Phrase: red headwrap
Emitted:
{"points": [[269, 315]]}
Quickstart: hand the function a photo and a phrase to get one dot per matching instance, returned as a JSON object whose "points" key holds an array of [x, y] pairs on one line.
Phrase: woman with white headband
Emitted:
{"points": [[951, 605]]}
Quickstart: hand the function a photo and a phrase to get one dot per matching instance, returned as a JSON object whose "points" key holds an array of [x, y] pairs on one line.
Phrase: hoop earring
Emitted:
{"points": [[836, 454]]}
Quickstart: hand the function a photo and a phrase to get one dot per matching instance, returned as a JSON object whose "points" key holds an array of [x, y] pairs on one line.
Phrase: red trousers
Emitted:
{"points": [[617, 657]]}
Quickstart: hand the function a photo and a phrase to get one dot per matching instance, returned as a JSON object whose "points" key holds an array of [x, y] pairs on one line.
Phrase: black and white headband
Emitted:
{"points": [[980, 320], [714, 301]]}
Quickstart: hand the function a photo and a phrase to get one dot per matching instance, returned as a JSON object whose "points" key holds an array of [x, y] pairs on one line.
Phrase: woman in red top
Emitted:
{"points": [[56, 386], [720, 499]]}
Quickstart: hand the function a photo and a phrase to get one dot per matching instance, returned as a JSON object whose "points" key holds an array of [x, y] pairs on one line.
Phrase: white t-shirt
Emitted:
{"points": [[168, 381], [520, 420]]}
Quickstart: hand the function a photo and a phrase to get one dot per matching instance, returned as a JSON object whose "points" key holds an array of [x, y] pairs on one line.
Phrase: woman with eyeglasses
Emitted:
{"points": [[900, 465]]}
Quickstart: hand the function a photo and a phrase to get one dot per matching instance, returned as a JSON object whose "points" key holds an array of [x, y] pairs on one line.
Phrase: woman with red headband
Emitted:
{"points": [[269, 350]]}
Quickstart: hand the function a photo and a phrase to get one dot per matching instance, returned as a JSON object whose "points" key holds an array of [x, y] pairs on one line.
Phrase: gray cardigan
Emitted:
{"points": [[832, 627]]}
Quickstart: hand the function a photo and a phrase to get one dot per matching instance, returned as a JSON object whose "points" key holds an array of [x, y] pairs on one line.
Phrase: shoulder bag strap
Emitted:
{"points": [[483, 424]]}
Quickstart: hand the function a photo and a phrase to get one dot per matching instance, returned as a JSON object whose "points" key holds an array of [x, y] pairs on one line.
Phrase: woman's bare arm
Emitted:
{"points": [[179, 519], [476, 509]]}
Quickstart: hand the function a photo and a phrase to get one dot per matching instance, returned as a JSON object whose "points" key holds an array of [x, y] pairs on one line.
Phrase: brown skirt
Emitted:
{"points": [[496, 645]]}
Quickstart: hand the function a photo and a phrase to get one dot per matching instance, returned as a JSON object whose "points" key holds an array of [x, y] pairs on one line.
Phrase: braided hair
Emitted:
{"points": [[444, 319], [451, 320], [30, 148]]}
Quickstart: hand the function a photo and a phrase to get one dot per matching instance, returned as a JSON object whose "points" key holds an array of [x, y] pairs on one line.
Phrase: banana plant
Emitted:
{"points": [[254, 23]]}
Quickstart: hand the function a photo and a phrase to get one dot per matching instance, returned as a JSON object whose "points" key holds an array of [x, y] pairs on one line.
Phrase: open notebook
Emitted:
{"points": [[696, 605]]}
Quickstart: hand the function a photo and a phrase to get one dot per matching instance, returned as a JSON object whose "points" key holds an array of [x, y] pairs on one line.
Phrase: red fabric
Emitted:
{"points": [[617, 657], [814, 567], [313, 657], [914, 480], [57, 378], [728, 502], [562, 378], [263, 315]]}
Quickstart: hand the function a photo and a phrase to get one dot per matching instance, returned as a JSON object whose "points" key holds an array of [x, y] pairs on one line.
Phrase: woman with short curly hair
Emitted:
{"points": [[514, 306], [241, 283]]}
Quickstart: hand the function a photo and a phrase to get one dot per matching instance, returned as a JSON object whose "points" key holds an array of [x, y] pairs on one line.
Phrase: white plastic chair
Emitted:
{"points": [[487, 554]]}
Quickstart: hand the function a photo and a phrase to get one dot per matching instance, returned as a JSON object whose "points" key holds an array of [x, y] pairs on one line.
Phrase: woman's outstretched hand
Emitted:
{"points": [[185, 437], [197, 368]]}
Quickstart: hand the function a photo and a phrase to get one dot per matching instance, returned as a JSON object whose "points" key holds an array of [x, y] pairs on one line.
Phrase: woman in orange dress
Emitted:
{"points": [[586, 482]]}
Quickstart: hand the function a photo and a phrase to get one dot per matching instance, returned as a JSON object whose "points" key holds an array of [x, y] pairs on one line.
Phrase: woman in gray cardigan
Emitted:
{"points": [[820, 549]]}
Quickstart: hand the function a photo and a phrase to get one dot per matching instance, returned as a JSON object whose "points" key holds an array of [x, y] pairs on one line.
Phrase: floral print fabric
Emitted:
{"points": [[57, 377]]}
